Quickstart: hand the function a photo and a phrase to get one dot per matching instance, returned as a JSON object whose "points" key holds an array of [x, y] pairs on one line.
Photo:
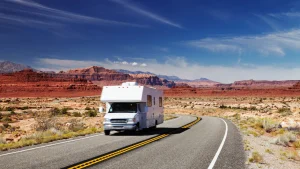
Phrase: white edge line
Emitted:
{"points": [[30, 149], [212, 163]]}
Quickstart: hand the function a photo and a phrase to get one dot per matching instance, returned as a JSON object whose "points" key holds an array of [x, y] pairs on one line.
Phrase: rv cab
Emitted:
{"points": [[131, 107]]}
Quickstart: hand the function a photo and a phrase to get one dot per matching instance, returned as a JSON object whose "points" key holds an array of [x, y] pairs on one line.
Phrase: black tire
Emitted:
{"points": [[154, 127], [106, 132], [137, 128]]}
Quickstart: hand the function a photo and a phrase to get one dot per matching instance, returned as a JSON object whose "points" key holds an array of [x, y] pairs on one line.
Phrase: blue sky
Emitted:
{"points": [[221, 40]]}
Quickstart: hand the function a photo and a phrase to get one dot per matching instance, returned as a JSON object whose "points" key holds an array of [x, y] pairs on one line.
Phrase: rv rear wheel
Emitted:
{"points": [[155, 124], [137, 128], [106, 132]]}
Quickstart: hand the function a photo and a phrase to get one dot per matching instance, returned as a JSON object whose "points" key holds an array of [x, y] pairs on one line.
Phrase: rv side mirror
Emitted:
{"points": [[101, 109]]}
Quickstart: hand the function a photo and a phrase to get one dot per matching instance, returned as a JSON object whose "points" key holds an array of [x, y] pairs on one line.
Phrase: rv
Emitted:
{"points": [[131, 107]]}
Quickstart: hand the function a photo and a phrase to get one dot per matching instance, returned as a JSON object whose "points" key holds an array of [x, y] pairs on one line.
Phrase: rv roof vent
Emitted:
{"points": [[130, 84]]}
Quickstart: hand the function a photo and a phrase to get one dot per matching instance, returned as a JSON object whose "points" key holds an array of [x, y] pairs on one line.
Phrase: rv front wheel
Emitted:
{"points": [[106, 132]]}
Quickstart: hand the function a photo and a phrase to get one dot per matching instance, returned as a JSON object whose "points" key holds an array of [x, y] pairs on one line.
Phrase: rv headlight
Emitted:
{"points": [[106, 119], [131, 120]]}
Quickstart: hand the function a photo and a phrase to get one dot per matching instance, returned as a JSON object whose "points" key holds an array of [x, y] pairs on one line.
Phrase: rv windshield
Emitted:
{"points": [[123, 108]]}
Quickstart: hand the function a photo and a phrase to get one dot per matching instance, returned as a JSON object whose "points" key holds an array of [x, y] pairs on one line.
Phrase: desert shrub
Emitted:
{"points": [[12, 113], [290, 154], [285, 139], [223, 107], [88, 108], [269, 125], [237, 116], [76, 125], [6, 125], [2, 141], [77, 114], [55, 111], [1, 108], [253, 108], [297, 144], [45, 122], [254, 133], [244, 108], [268, 151], [6, 119], [24, 108], [91, 113], [9, 109], [64, 110], [256, 158], [284, 111]]}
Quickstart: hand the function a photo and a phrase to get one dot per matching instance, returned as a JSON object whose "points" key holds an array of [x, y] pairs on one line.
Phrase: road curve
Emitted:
{"points": [[197, 147]]}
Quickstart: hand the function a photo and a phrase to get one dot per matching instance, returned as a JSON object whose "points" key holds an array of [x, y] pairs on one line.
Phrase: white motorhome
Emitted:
{"points": [[131, 107]]}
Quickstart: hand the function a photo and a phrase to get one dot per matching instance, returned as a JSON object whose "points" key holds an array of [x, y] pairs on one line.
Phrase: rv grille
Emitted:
{"points": [[118, 120]]}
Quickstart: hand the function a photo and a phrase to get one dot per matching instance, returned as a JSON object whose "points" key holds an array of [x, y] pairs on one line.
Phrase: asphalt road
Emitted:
{"points": [[211, 143]]}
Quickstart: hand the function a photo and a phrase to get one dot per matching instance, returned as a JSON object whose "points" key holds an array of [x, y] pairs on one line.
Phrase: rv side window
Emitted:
{"points": [[160, 101], [149, 100]]}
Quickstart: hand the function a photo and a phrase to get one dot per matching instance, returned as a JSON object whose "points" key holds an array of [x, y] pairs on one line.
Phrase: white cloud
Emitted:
{"points": [[269, 21], [163, 49], [268, 44], [186, 70], [147, 13], [134, 64], [143, 65], [60, 15], [285, 14]]}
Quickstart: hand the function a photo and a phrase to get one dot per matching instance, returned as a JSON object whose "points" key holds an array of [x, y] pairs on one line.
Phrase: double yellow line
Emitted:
{"points": [[123, 150]]}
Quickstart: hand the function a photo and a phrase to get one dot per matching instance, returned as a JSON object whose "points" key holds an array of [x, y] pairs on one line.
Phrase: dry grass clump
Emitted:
{"points": [[257, 126], [286, 139], [48, 129], [76, 125], [269, 125], [256, 158], [284, 112], [297, 144], [2, 141], [45, 121], [47, 136], [269, 151], [290, 154]]}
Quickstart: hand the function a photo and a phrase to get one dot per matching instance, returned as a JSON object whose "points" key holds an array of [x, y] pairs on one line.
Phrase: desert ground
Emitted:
{"points": [[270, 125]]}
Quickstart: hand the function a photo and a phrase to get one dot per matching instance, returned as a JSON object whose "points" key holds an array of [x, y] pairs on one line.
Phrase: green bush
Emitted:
{"points": [[64, 110], [55, 111], [91, 113], [24, 108], [284, 111], [77, 114], [9, 109], [223, 107]]}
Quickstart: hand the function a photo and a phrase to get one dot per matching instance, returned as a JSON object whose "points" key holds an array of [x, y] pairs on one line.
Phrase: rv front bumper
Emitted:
{"points": [[119, 126]]}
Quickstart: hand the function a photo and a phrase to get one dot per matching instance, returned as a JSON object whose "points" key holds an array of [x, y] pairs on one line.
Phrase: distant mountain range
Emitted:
{"points": [[9, 67], [172, 78], [102, 76]]}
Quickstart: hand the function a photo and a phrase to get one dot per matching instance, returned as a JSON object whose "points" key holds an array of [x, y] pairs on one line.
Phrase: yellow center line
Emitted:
{"points": [[127, 149]]}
